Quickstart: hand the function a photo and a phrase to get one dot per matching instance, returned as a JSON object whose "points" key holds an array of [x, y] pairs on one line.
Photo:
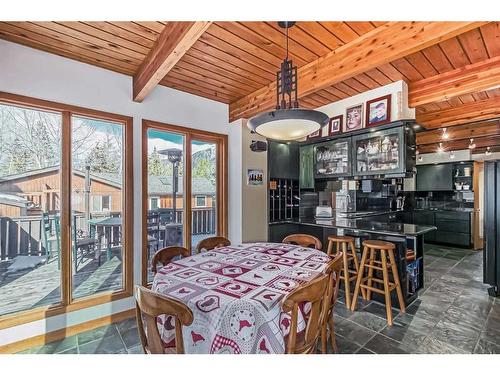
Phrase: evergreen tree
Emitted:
{"points": [[155, 165], [102, 158], [19, 158]]}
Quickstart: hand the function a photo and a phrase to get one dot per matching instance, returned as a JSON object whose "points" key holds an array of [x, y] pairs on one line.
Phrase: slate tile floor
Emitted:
{"points": [[453, 314]]}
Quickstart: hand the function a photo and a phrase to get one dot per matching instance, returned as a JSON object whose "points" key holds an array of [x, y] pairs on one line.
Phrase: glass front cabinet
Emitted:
{"points": [[385, 152], [332, 158]]}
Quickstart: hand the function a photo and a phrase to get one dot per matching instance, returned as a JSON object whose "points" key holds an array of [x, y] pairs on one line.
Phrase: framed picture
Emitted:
{"points": [[335, 125], [255, 177], [378, 111], [354, 118], [316, 134]]}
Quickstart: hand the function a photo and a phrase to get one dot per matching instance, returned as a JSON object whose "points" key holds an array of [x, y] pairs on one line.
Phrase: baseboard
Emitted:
{"points": [[65, 332]]}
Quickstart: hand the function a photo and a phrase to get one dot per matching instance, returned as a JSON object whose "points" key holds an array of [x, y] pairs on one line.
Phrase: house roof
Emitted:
{"points": [[157, 185], [14, 200]]}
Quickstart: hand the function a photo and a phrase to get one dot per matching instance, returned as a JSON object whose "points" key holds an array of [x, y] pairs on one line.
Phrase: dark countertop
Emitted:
{"points": [[457, 209], [368, 226]]}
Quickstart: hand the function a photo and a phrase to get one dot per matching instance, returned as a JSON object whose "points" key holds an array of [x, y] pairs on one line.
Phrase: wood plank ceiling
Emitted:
{"points": [[231, 60]]}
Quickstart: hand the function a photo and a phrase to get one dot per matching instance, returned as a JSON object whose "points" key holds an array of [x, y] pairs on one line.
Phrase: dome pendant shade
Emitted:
{"points": [[288, 124]]}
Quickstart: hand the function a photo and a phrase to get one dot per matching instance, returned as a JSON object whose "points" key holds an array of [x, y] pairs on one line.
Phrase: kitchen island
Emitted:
{"points": [[404, 236]]}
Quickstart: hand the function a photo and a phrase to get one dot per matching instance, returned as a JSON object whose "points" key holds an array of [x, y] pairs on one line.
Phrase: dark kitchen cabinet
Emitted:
{"points": [[387, 152], [306, 168], [435, 177], [283, 160], [333, 158], [425, 218]]}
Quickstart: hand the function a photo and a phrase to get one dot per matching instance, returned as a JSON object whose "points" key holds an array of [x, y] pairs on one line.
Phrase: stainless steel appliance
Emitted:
{"points": [[491, 252]]}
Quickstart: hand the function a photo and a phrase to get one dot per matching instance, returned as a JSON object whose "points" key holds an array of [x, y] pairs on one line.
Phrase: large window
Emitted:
{"points": [[184, 192], [65, 204]]}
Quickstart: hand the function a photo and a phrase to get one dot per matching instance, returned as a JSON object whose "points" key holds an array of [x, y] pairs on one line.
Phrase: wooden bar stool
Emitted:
{"points": [[342, 243], [384, 249]]}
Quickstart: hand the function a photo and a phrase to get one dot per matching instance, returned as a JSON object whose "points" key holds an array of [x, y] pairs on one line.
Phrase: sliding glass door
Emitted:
{"points": [[164, 192], [66, 208], [203, 190], [184, 188]]}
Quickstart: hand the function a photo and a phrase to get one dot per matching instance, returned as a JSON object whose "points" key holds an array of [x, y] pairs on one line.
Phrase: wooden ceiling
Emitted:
{"points": [[455, 77]]}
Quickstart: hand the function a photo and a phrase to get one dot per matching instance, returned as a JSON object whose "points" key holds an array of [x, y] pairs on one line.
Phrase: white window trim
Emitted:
{"points": [[196, 200]]}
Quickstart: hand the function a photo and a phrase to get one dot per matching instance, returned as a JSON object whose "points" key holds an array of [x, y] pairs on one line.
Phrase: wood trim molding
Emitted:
{"points": [[382, 45], [472, 78], [173, 42], [65, 332], [221, 140], [476, 111], [67, 303]]}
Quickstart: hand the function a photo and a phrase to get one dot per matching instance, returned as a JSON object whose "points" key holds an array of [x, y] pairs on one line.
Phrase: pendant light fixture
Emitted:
{"points": [[287, 122]]}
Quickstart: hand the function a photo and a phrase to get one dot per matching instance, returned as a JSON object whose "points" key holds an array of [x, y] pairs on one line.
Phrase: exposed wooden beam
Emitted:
{"points": [[476, 111], [173, 42], [382, 45], [455, 133], [460, 144], [472, 78]]}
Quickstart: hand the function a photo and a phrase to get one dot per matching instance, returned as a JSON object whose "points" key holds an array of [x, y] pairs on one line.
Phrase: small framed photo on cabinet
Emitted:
{"points": [[335, 125], [316, 134], [354, 118], [378, 111]]}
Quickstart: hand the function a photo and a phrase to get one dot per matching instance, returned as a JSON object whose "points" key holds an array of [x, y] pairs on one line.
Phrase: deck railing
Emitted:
{"points": [[23, 235]]}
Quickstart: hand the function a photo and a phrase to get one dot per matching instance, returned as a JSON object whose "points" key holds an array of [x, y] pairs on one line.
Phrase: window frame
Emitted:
{"points": [[196, 200], [189, 134], [68, 303]]}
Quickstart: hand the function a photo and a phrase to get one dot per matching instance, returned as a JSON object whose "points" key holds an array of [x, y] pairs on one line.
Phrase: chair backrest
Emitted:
{"points": [[150, 305], [165, 256], [313, 292], [305, 240], [333, 271], [47, 227], [153, 221], [212, 243]]}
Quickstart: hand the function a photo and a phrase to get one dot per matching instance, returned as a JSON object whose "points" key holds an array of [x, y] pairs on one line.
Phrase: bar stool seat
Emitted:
{"points": [[383, 250], [345, 245]]}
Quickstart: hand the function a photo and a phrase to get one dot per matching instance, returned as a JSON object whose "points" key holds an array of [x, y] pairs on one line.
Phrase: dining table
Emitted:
{"points": [[236, 294]]}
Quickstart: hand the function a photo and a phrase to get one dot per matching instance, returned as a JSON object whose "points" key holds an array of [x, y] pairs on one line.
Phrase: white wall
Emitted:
{"points": [[37, 74], [399, 103], [248, 204]]}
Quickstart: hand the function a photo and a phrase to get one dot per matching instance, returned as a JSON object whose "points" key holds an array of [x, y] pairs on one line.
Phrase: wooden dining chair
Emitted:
{"points": [[212, 243], [150, 305], [305, 240], [333, 271], [313, 292], [165, 256]]}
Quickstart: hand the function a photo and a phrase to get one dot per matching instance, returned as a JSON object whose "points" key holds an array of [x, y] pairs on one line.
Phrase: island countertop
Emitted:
{"points": [[369, 226]]}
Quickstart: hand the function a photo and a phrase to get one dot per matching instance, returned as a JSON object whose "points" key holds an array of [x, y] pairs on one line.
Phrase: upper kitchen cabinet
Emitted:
{"points": [[306, 172], [389, 152], [333, 158], [283, 160], [435, 177]]}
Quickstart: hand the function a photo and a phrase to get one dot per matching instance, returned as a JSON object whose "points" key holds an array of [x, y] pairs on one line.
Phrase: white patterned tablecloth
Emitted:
{"points": [[235, 293]]}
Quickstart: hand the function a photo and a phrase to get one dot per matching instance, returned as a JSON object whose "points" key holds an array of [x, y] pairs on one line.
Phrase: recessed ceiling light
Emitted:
{"points": [[445, 134]]}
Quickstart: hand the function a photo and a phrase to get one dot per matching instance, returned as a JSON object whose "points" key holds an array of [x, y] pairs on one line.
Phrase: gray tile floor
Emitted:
{"points": [[453, 314]]}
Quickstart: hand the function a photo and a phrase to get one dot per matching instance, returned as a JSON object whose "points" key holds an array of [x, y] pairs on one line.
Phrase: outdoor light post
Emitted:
{"points": [[174, 156]]}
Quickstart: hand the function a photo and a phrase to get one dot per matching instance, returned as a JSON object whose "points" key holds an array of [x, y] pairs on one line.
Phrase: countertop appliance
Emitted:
{"points": [[324, 212], [491, 253]]}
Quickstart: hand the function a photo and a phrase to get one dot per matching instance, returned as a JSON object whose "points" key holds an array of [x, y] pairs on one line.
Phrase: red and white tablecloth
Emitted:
{"points": [[235, 293]]}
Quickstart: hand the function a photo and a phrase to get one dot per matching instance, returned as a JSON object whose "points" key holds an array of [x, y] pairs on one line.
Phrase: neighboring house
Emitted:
{"points": [[36, 191]]}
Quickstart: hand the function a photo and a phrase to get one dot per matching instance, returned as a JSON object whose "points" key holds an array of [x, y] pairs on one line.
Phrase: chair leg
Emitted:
{"points": [[332, 335], [356, 264], [370, 274], [359, 278], [324, 339], [395, 275], [347, 284], [387, 291]]}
